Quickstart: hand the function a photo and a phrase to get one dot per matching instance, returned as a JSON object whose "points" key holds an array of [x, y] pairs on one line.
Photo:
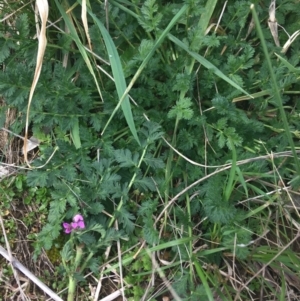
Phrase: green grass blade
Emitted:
{"points": [[211, 251], [206, 64], [206, 16], [119, 78], [253, 95], [75, 134], [146, 60], [203, 24], [283, 291], [75, 37], [230, 183], [163, 246], [257, 210], [201, 275], [242, 180], [276, 89], [129, 8], [288, 65]]}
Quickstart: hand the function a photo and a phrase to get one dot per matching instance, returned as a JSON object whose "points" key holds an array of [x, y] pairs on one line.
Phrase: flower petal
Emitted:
{"points": [[67, 228], [66, 225], [74, 225], [81, 224], [77, 218]]}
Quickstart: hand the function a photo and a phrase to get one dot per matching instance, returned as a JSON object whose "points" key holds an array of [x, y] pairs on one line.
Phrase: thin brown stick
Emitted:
{"points": [[18, 265], [10, 259], [162, 276]]}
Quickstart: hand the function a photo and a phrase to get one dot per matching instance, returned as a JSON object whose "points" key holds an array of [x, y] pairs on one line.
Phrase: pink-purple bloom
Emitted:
{"points": [[78, 223]]}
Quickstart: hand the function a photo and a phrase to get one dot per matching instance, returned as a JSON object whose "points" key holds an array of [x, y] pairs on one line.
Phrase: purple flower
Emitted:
{"points": [[78, 223], [68, 228]]}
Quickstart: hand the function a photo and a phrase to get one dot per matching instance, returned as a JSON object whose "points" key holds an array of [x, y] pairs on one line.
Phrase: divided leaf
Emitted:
{"points": [[125, 158]]}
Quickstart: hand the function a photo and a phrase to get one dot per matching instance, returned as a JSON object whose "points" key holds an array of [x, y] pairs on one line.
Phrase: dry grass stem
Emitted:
{"points": [[43, 9]]}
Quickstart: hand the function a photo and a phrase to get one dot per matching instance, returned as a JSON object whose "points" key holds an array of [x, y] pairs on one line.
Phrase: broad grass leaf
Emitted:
{"points": [[118, 75], [148, 57], [206, 64], [288, 65]]}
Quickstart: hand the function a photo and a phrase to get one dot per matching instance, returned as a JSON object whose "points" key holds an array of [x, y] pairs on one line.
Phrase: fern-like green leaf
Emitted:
{"points": [[150, 19], [144, 184], [156, 163], [87, 238], [37, 178], [126, 219], [182, 109], [151, 235], [126, 158]]}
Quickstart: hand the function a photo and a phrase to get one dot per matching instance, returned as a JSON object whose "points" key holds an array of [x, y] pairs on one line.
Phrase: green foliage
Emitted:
{"points": [[237, 239], [151, 18], [125, 158], [17, 196], [134, 275], [216, 208], [186, 86], [182, 110], [182, 84], [147, 210]]}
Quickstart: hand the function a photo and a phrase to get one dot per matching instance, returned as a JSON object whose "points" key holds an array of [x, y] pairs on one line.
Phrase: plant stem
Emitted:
{"points": [[168, 172], [229, 186], [190, 230], [72, 280], [72, 288], [83, 266]]}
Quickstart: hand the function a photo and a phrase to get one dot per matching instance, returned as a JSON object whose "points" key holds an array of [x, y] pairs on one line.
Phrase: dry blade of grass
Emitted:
{"points": [[272, 22], [85, 24], [290, 41], [43, 10], [67, 16], [162, 275]]}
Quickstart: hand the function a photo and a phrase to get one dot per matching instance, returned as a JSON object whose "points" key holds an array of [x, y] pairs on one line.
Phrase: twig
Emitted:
{"points": [[112, 296], [17, 264], [162, 276], [8, 131], [120, 263], [99, 285], [10, 258]]}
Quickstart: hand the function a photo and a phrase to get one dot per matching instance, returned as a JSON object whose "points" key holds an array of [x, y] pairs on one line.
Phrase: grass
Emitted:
{"points": [[190, 192]]}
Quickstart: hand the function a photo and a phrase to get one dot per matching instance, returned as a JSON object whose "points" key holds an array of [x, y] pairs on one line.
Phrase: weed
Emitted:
{"points": [[172, 124]]}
